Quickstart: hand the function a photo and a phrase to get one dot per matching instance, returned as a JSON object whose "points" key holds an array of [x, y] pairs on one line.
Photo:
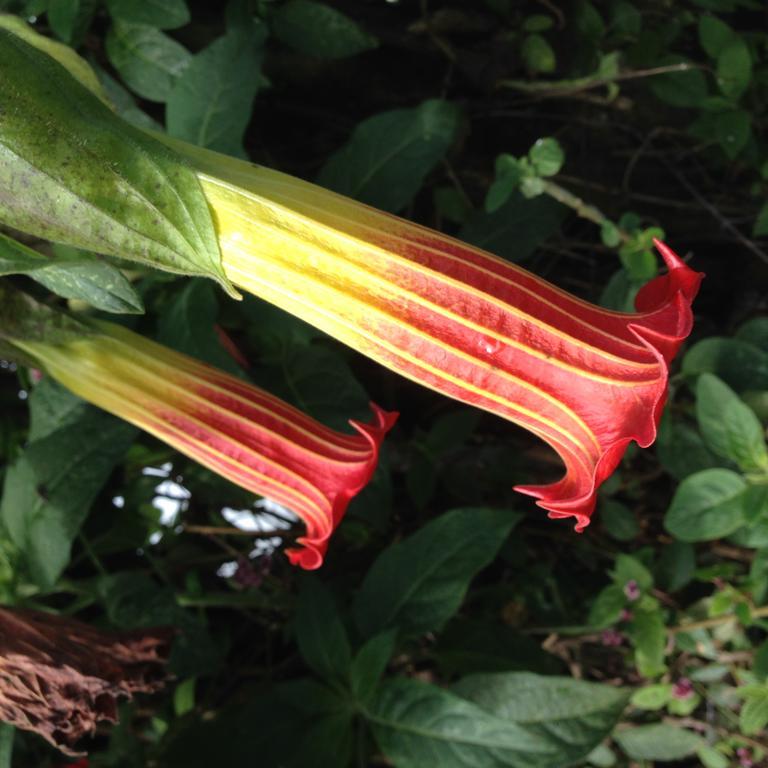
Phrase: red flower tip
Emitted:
{"points": [[664, 321], [315, 542]]}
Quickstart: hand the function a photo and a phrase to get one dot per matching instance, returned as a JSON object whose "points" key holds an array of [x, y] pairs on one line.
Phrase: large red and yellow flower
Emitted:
{"points": [[457, 319], [235, 429]]}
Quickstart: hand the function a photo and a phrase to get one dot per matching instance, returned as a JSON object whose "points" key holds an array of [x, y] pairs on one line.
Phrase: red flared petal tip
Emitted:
{"points": [[309, 555], [664, 321]]}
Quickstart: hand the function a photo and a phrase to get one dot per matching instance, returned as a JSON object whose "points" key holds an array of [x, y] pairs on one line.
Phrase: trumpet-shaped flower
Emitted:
{"points": [[237, 430], [457, 319]]}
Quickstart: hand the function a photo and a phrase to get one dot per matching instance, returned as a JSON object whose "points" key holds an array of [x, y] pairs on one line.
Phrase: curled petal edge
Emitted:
{"points": [[667, 299]]}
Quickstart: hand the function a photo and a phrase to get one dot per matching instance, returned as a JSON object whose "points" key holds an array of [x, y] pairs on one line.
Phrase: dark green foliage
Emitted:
{"points": [[451, 620]]}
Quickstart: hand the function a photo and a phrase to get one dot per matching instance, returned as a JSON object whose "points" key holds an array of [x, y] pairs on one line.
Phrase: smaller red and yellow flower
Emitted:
{"points": [[235, 429]]}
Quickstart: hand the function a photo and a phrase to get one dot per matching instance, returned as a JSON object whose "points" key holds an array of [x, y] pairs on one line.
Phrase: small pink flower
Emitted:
{"points": [[626, 615], [632, 590], [612, 638], [745, 757], [682, 689]]}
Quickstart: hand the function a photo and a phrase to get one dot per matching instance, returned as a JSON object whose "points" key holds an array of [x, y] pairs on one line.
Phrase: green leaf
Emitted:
{"points": [[734, 68], [416, 725], [628, 569], [210, 104], [733, 130], [316, 29], [754, 712], [320, 634], [369, 665], [469, 646], [78, 174], [50, 488], [711, 758], [515, 230], [538, 22], [679, 89], [754, 331], [675, 566], [72, 274], [570, 717], [148, 60], [739, 364], [619, 520], [658, 742], [520, 721], [417, 584], [729, 426], [681, 450], [321, 383], [714, 35], [161, 14], [390, 154], [52, 407], [707, 505], [188, 324], [607, 607], [509, 174], [652, 697], [547, 156], [648, 635], [69, 19], [538, 55]]}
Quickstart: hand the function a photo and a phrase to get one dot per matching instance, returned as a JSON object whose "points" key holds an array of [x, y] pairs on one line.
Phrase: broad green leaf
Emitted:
{"points": [[470, 646], [320, 634], [681, 450], [320, 382], [49, 489], [755, 331], [418, 725], [707, 505], [210, 103], [124, 103], [607, 607], [739, 364], [161, 14], [658, 742], [72, 274], [570, 717], [517, 228], [714, 35], [69, 19], [652, 697], [619, 520], [519, 720], [75, 173], [760, 227], [317, 29], [417, 584], [680, 89], [52, 407], [148, 60], [369, 664], [390, 154], [734, 68], [675, 565], [753, 717], [547, 156], [66, 56], [538, 55], [729, 426], [733, 129], [188, 324]]}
